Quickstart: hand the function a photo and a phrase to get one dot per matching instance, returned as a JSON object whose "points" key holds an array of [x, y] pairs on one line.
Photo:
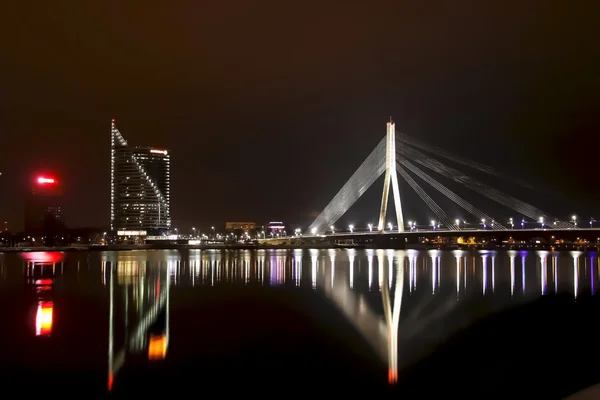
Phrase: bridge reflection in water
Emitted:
{"points": [[445, 290]]}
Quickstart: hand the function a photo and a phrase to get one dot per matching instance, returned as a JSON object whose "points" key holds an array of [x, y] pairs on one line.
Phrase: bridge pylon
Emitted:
{"points": [[391, 175]]}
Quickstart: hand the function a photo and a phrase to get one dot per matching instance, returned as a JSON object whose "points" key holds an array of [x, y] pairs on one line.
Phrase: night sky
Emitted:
{"points": [[268, 107]]}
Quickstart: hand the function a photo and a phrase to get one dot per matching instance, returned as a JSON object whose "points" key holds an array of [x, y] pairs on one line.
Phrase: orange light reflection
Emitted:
{"points": [[157, 348], [43, 318]]}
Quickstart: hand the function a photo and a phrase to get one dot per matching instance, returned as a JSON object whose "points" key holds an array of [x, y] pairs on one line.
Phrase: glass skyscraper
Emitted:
{"points": [[139, 187]]}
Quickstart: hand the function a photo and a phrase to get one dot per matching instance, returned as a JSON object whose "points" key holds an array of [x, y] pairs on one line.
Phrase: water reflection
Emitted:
{"points": [[40, 272], [485, 275], [446, 290], [139, 305]]}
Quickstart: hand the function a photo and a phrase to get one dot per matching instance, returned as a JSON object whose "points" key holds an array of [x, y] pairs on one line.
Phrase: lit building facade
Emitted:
{"points": [[139, 187], [276, 229], [244, 226], [43, 209]]}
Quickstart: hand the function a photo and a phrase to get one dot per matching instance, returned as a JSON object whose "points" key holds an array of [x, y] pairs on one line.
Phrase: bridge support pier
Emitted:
{"points": [[391, 175]]}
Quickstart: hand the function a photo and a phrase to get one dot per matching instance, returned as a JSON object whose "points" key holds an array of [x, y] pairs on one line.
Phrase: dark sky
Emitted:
{"points": [[269, 106]]}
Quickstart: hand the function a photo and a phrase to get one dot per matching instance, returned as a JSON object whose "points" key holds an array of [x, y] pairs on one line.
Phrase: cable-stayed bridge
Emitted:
{"points": [[419, 165]]}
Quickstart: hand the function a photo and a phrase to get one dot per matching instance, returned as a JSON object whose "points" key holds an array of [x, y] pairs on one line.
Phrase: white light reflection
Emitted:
{"points": [[172, 270], [390, 257], [392, 316], [575, 255], [111, 305], [554, 275], [484, 268], [380, 263], [332, 261], [412, 269], [351, 257], [261, 259], [523, 257], [434, 256], [195, 259], [246, 266], [213, 267], [493, 271], [543, 270], [314, 257], [370, 260], [512, 254], [458, 254], [298, 267], [465, 273], [219, 263], [592, 279]]}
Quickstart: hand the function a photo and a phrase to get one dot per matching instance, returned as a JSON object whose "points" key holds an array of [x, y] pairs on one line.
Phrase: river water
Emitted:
{"points": [[101, 315]]}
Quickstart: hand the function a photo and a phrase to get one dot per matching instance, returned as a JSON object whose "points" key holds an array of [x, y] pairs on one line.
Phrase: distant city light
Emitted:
{"points": [[42, 180], [155, 151]]}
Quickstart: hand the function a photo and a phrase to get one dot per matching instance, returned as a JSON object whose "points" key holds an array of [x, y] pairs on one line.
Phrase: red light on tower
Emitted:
{"points": [[45, 180]]}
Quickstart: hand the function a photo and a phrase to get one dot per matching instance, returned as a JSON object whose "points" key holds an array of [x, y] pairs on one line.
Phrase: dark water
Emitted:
{"points": [[125, 322]]}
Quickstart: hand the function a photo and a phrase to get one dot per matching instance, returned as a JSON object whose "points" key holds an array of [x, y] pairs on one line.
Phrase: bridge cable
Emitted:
{"points": [[437, 210], [470, 208], [460, 160], [508, 201], [353, 189], [491, 193]]}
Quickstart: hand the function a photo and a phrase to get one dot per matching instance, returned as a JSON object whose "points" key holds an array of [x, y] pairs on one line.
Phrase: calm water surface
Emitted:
{"points": [[107, 312]]}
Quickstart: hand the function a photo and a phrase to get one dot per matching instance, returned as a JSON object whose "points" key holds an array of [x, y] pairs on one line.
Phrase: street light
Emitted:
{"points": [[457, 222], [351, 228], [433, 224], [410, 225], [510, 221], [370, 227], [390, 226], [483, 223], [313, 231], [542, 222], [332, 230], [574, 220], [522, 223]]}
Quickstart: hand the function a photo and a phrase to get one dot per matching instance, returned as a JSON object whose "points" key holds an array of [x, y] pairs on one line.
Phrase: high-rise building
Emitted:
{"points": [[139, 187], [43, 210]]}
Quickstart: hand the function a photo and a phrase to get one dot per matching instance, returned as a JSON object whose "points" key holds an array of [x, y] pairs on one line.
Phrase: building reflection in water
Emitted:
{"points": [[139, 291], [401, 322], [40, 274]]}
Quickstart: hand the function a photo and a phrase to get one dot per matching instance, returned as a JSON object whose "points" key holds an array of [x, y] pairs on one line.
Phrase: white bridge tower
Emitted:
{"points": [[391, 175]]}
